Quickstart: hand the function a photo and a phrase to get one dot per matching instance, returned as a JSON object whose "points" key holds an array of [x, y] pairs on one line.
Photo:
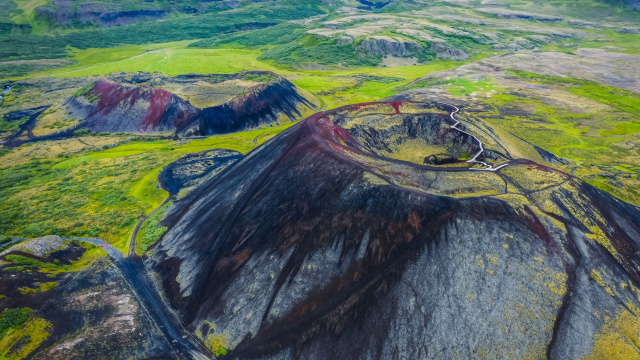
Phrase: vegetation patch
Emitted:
{"points": [[31, 263], [41, 287], [260, 15], [12, 319], [98, 193], [215, 342], [19, 342], [619, 99], [12, 125], [151, 231]]}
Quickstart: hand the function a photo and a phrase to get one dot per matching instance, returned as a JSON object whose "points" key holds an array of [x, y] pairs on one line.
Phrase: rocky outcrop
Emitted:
{"points": [[446, 52], [345, 40], [542, 38], [334, 240], [524, 43], [385, 45], [510, 14], [629, 30], [508, 47], [38, 247]]}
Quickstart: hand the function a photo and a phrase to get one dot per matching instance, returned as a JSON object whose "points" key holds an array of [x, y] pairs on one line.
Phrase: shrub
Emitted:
{"points": [[12, 318], [83, 91], [14, 268], [81, 132], [152, 235]]}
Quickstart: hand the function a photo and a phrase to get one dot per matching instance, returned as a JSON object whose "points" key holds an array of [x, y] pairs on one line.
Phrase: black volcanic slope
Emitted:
{"points": [[334, 240]]}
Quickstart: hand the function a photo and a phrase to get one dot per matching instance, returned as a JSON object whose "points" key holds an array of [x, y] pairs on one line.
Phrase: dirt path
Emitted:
{"points": [[473, 160], [134, 272], [132, 241]]}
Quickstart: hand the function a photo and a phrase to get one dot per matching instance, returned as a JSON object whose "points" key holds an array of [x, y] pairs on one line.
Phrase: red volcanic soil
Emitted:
{"points": [[115, 107], [160, 101], [127, 108]]}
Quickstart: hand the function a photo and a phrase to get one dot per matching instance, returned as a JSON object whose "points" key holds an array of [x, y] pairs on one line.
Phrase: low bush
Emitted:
{"points": [[81, 132], [12, 318]]}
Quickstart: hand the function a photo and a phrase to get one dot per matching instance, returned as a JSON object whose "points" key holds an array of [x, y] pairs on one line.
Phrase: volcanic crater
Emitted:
{"points": [[336, 239]]}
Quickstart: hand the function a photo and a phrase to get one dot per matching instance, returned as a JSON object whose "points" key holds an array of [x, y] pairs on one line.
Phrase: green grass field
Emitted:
{"points": [[335, 87], [99, 193], [597, 142]]}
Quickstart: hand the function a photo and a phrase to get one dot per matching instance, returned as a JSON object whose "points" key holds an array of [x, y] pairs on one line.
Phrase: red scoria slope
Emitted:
{"points": [[114, 107]]}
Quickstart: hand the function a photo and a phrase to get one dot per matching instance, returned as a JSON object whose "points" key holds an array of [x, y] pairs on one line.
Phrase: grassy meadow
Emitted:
{"points": [[98, 193]]}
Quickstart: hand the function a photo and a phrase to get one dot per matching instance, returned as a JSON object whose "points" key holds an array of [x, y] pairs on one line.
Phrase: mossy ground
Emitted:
{"points": [[98, 193], [18, 343], [151, 231], [597, 141]]}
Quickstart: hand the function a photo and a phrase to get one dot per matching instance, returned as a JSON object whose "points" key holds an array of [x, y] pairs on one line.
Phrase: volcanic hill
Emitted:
{"points": [[189, 104], [388, 231]]}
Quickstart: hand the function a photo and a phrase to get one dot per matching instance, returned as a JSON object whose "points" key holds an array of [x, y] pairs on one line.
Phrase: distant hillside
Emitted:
{"points": [[633, 3], [77, 13], [44, 35], [241, 102]]}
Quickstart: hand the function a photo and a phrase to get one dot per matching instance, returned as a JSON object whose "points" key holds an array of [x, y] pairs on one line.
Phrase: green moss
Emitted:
{"points": [[93, 96], [12, 318], [83, 91], [41, 287], [216, 343], [20, 342], [12, 125], [30, 263], [14, 268]]}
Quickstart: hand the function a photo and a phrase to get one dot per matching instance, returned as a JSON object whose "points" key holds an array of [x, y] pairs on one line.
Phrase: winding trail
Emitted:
{"points": [[473, 160], [132, 241], [135, 274]]}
